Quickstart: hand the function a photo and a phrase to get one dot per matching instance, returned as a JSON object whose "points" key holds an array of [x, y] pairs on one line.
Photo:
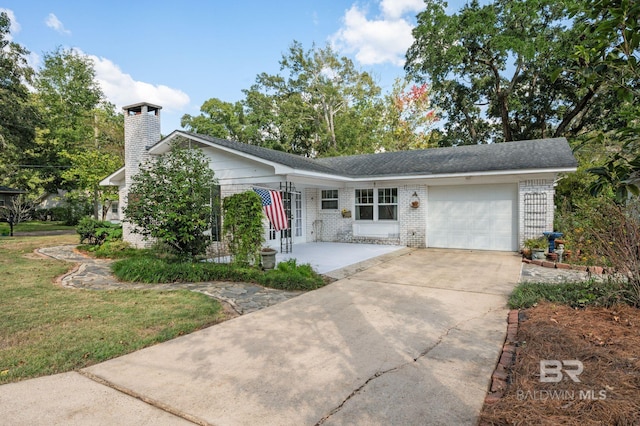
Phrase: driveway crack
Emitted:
{"points": [[398, 367]]}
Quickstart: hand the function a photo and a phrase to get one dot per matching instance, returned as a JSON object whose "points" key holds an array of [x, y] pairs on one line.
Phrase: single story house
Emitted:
{"points": [[480, 197], [7, 194]]}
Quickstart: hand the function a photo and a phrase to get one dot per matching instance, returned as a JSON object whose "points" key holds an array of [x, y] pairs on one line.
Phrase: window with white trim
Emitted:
{"points": [[329, 199], [380, 204], [114, 207], [364, 204], [388, 204]]}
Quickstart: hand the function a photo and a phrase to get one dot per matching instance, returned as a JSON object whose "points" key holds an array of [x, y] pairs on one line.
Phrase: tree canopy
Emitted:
{"points": [[496, 70], [318, 105], [18, 115]]}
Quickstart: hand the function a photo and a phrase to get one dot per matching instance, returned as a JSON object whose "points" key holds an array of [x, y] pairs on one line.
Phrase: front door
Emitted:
{"points": [[295, 234]]}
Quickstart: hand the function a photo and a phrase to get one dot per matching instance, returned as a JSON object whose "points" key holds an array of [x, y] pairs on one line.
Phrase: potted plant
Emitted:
{"points": [[268, 257], [537, 247]]}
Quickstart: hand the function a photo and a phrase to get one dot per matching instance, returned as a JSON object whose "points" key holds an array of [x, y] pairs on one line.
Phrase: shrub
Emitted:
{"points": [[616, 236], [116, 249], [291, 276], [169, 200], [97, 232], [574, 294], [150, 269], [243, 227]]}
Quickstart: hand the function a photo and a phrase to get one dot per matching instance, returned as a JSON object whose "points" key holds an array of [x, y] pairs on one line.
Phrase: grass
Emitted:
{"points": [[35, 226], [150, 269], [47, 329], [574, 294]]}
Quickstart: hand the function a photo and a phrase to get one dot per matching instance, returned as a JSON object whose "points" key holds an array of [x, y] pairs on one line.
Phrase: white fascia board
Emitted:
{"points": [[114, 179]]}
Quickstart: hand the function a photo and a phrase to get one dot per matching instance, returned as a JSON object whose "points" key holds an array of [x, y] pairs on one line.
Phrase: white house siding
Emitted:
{"points": [[536, 208], [231, 169]]}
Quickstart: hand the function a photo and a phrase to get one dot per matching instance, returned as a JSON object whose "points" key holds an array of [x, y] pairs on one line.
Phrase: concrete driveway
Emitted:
{"points": [[411, 340]]}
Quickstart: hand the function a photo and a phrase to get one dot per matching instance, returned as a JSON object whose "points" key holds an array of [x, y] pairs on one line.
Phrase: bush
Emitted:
{"points": [[116, 249], [97, 232], [291, 276], [574, 294], [616, 236], [150, 269]]}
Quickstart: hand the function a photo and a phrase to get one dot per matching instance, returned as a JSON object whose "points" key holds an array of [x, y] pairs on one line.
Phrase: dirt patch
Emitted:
{"points": [[607, 344]]}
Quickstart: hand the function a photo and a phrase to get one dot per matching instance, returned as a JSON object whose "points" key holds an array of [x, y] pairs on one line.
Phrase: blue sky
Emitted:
{"points": [[179, 54]]}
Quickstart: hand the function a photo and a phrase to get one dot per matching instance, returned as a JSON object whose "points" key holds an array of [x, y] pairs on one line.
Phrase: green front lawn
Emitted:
{"points": [[47, 329], [34, 226]]}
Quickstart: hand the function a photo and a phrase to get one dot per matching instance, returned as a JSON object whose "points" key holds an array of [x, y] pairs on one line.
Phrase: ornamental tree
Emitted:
{"points": [[169, 200]]}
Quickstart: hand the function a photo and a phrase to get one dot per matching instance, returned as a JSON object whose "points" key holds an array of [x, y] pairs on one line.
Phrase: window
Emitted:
{"points": [[364, 204], [298, 214], [383, 202], [114, 208], [388, 204], [329, 199]]}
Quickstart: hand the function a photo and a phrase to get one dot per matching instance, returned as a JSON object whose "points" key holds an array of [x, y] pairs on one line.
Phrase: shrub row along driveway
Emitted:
{"points": [[413, 340]]}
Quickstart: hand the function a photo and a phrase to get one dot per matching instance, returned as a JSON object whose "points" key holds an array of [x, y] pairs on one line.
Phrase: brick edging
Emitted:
{"points": [[599, 270], [500, 375]]}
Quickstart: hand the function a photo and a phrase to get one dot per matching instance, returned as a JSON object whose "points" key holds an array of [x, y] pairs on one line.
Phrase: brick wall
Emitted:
{"points": [[141, 130], [330, 225]]}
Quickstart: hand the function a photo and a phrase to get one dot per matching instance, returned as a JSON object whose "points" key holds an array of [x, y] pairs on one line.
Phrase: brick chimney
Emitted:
{"points": [[141, 131]]}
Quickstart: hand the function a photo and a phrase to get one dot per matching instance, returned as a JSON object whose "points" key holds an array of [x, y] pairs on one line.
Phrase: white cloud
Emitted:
{"points": [[53, 22], [376, 41], [121, 89], [395, 9], [14, 26]]}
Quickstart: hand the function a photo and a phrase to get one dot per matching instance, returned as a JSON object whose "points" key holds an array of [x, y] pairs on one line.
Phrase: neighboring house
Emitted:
{"points": [[485, 197], [7, 194]]}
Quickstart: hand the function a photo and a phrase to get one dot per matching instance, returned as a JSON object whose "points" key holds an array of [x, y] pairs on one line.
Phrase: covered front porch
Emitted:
{"points": [[326, 257]]}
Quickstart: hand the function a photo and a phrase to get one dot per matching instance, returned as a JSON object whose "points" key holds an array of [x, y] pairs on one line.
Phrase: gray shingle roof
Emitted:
{"points": [[551, 153], [7, 190], [531, 154], [280, 157]]}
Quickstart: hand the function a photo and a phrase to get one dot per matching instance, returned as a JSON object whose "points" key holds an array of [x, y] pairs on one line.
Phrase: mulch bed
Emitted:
{"points": [[605, 340]]}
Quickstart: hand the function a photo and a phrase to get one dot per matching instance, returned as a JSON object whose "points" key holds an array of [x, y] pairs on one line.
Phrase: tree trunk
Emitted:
{"points": [[96, 203], [574, 112]]}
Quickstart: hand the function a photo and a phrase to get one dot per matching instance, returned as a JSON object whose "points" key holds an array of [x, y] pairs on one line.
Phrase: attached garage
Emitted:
{"points": [[481, 217]]}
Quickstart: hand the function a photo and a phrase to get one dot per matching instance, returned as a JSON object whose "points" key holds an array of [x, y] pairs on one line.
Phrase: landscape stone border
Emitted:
{"points": [[599, 270], [500, 376]]}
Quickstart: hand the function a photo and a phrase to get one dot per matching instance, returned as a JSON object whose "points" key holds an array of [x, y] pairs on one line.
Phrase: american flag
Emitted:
{"points": [[273, 208]]}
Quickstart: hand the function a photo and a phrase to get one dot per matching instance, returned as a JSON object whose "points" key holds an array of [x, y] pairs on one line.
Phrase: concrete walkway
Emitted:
{"points": [[411, 340]]}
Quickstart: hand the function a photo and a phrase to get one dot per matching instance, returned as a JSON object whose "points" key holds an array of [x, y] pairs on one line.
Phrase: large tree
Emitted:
{"points": [[18, 115], [494, 70], [609, 55], [67, 97], [319, 104]]}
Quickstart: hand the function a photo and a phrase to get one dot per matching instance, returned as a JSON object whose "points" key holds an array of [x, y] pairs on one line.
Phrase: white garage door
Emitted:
{"points": [[482, 217]]}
